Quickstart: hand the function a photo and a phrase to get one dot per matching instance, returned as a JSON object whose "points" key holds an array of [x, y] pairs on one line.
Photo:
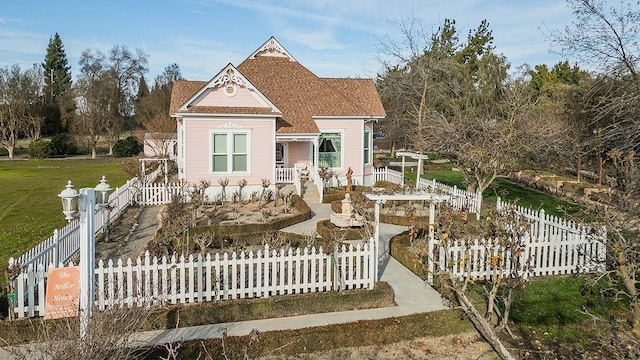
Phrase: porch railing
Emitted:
{"points": [[314, 175], [285, 175]]}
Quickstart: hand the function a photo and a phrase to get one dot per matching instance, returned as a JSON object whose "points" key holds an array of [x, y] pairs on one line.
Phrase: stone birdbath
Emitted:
{"points": [[347, 218]]}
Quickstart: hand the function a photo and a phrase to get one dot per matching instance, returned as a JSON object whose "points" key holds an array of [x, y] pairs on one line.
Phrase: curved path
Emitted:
{"points": [[411, 294]]}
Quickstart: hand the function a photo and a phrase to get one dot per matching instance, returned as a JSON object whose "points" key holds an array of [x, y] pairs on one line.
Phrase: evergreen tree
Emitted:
{"points": [[143, 93], [57, 91]]}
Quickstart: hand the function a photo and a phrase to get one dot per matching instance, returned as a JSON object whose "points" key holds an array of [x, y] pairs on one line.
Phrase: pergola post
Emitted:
{"points": [[419, 172], [432, 215], [433, 198], [415, 156], [402, 180]]}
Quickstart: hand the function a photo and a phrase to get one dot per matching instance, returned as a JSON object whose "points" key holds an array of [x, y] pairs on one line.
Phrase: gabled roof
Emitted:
{"points": [[298, 93], [228, 80]]}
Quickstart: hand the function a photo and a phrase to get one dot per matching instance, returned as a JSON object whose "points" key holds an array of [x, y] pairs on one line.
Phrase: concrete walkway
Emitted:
{"points": [[411, 294]]}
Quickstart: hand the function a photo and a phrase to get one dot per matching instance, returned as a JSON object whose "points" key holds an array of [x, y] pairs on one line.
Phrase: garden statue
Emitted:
{"points": [[349, 179]]}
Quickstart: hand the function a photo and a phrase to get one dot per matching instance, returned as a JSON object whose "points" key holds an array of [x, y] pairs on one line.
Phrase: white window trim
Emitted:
{"points": [[341, 131], [369, 159], [230, 133]]}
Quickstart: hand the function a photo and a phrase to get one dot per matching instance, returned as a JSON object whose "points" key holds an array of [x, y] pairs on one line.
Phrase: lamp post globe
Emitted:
{"points": [[102, 192], [69, 197]]}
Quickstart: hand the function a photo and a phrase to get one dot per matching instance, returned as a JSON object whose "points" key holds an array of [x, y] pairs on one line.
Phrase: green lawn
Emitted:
{"points": [[31, 209], [509, 192]]}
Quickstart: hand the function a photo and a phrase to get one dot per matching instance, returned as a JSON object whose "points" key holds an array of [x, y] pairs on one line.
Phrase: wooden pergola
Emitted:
{"points": [[143, 161], [380, 199], [415, 156]]}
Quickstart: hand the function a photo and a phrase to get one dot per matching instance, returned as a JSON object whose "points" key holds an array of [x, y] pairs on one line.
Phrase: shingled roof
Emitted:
{"points": [[297, 92]]}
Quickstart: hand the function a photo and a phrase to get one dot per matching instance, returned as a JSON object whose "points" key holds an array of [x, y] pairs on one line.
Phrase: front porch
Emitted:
{"points": [[303, 179]]}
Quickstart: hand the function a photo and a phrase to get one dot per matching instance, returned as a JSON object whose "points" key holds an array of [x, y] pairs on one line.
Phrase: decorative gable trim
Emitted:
{"points": [[272, 48], [229, 79]]}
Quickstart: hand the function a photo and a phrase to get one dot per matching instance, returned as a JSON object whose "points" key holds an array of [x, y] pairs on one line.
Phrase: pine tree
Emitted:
{"points": [[57, 90], [143, 93]]}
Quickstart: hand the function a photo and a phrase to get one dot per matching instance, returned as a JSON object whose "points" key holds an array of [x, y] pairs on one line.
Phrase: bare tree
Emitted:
{"points": [[518, 133], [152, 111], [107, 88], [93, 103], [604, 35], [20, 105], [111, 335], [504, 242], [616, 283]]}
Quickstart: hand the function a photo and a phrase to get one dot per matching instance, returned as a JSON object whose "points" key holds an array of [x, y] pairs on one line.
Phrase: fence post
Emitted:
{"points": [[117, 192], [56, 248], [541, 219]]}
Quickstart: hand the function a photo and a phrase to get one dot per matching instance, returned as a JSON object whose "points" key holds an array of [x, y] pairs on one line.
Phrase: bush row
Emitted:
{"points": [[249, 232], [398, 249], [59, 145], [327, 230]]}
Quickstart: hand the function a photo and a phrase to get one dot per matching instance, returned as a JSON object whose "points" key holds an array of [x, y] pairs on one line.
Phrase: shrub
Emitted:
{"points": [[40, 149], [61, 144], [398, 248], [127, 147]]}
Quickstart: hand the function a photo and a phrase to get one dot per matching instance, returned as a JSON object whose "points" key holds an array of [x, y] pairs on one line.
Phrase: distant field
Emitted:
{"points": [[30, 208]]}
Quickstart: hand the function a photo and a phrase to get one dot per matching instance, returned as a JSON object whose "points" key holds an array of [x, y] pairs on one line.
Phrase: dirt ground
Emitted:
{"points": [[454, 347], [129, 235]]}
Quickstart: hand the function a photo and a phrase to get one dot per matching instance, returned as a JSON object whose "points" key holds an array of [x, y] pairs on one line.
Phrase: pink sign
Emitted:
{"points": [[63, 292]]}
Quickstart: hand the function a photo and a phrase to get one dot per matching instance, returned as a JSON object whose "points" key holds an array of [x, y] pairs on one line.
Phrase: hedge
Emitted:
{"points": [[253, 231], [326, 229], [398, 249], [336, 206]]}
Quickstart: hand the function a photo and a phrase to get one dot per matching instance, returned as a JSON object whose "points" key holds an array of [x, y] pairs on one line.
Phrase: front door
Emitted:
{"points": [[282, 160]]}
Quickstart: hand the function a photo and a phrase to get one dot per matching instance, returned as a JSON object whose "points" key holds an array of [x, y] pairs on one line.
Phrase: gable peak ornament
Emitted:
{"points": [[229, 81], [272, 48]]}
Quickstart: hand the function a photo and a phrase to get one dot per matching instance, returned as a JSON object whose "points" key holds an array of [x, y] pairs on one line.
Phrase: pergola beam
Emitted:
{"points": [[415, 156], [433, 199]]}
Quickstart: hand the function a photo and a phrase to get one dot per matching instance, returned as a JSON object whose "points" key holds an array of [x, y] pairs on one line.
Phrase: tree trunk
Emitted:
{"points": [[579, 165], [483, 326], [93, 152], [599, 169]]}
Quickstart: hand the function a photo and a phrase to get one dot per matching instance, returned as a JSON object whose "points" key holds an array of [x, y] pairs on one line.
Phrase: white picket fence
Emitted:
{"points": [[543, 226], [460, 199], [486, 258], [552, 246], [150, 281], [65, 242], [386, 174], [159, 193]]}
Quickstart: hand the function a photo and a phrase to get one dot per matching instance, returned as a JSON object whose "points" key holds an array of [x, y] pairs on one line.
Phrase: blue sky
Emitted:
{"points": [[333, 38]]}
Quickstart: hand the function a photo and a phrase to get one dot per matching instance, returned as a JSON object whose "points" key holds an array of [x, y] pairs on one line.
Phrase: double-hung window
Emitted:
{"points": [[367, 147], [230, 152]]}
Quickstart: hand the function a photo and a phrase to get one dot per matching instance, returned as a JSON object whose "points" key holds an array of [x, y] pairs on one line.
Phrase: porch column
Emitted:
{"points": [[314, 142]]}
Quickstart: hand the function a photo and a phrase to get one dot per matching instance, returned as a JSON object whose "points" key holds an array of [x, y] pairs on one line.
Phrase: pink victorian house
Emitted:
{"points": [[271, 119]]}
